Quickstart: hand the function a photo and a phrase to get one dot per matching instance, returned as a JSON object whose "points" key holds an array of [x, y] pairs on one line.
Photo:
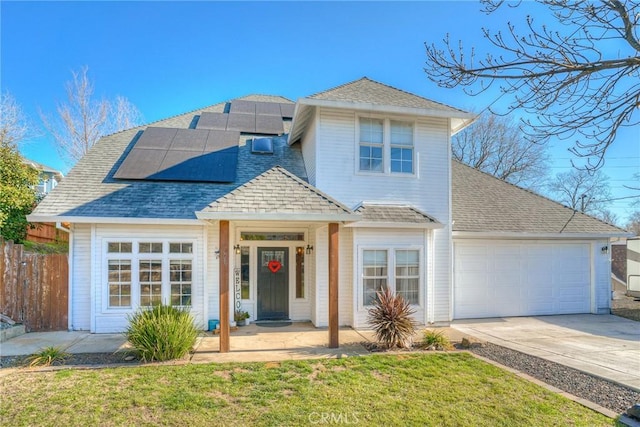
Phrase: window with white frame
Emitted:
{"points": [[403, 279], [401, 138], [371, 145], [144, 273], [386, 146], [374, 273]]}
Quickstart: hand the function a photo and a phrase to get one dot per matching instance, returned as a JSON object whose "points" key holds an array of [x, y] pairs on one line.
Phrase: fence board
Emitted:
{"points": [[34, 288], [46, 232]]}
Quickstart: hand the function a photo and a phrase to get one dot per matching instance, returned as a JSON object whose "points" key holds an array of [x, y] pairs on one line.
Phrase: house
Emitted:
{"points": [[303, 210], [49, 177]]}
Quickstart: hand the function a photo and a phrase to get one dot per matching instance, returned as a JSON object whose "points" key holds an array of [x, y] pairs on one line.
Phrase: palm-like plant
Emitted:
{"points": [[391, 320]]}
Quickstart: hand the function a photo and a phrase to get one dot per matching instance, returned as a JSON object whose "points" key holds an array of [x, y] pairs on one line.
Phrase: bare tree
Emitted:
{"points": [[496, 145], [13, 123], [565, 76], [633, 224], [582, 190], [607, 216], [83, 120]]}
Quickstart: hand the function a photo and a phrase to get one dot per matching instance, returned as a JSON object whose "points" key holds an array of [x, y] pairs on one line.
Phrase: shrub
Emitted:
{"points": [[434, 340], [47, 357], [391, 320], [161, 333]]}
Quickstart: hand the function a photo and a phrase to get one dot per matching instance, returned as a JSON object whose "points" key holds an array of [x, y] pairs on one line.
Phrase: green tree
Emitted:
{"points": [[17, 180]]}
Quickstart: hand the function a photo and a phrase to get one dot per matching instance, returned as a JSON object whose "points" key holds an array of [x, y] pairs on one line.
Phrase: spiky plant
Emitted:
{"points": [[391, 320], [436, 340], [47, 356], [161, 333]]}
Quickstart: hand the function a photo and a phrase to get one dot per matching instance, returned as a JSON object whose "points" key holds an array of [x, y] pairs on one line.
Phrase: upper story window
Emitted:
{"points": [[386, 146], [401, 147], [371, 145]]}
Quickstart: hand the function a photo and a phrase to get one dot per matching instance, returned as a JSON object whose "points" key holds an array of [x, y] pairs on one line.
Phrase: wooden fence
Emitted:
{"points": [[46, 232], [34, 288]]}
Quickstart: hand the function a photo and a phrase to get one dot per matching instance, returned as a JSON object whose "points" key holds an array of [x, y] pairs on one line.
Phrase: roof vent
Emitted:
{"points": [[262, 146]]}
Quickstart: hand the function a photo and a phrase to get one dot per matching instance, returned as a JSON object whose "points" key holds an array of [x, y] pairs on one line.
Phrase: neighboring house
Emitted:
{"points": [[49, 177], [341, 193]]}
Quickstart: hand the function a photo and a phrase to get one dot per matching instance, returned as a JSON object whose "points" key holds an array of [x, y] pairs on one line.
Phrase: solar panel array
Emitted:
{"points": [[194, 155], [255, 117]]}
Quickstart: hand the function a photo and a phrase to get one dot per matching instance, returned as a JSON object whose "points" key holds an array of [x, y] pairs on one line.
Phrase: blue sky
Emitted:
{"points": [[172, 57]]}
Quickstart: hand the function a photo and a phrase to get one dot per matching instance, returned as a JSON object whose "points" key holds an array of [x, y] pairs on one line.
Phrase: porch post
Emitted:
{"points": [[224, 286], [333, 285]]}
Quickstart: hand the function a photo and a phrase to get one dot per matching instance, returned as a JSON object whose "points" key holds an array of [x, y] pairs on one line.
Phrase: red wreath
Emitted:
{"points": [[274, 266]]}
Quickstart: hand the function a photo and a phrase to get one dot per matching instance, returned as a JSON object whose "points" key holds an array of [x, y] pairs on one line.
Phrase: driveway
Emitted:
{"points": [[603, 345]]}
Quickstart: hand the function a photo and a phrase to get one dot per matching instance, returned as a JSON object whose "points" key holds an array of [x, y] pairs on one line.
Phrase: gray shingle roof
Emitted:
{"points": [[393, 213], [367, 91], [89, 190], [277, 191], [483, 203]]}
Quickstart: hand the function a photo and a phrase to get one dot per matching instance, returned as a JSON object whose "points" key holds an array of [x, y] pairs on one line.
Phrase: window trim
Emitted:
{"points": [[391, 271], [386, 147], [135, 256]]}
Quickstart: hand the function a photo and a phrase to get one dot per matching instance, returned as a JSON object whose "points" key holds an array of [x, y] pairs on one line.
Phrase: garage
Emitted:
{"points": [[499, 278]]}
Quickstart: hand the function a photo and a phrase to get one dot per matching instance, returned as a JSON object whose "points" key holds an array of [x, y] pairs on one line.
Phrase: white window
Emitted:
{"points": [[144, 273], [401, 147], [386, 146], [403, 279], [374, 273], [371, 145]]}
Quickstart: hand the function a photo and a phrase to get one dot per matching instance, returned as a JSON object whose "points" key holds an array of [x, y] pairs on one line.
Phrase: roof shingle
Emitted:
{"points": [[393, 214]]}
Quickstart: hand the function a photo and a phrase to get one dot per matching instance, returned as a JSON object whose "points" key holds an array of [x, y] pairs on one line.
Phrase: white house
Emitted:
{"points": [[303, 210], [49, 178]]}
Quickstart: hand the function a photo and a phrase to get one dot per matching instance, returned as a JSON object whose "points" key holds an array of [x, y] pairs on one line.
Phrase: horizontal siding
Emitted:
{"points": [[81, 278], [309, 152], [213, 272], [442, 282], [376, 238], [336, 166], [602, 277], [109, 320]]}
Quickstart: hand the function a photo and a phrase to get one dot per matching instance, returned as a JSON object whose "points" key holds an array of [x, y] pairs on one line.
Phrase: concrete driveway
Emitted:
{"points": [[603, 345]]}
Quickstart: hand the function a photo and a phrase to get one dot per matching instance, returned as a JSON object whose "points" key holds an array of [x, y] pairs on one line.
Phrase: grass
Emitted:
{"points": [[436, 340], [47, 356], [453, 389]]}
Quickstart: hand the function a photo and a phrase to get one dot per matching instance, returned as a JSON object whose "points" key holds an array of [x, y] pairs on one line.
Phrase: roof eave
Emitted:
{"points": [[277, 216], [111, 220], [531, 235], [363, 106], [381, 224]]}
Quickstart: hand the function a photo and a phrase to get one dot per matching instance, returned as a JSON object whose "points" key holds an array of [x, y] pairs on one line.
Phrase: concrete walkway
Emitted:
{"points": [[603, 345], [251, 343]]}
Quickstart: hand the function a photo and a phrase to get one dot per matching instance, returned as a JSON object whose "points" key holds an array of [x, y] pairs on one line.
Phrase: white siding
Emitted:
{"points": [[213, 271], [309, 148], [110, 320], [81, 278], [390, 240], [345, 289], [428, 190], [602, 276]]}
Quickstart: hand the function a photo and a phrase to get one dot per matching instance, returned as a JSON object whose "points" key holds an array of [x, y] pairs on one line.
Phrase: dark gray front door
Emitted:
{"points": [[273, 283]]}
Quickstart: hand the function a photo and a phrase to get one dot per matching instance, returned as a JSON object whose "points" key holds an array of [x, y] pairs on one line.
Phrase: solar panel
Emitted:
{"points": [[212, 121], [240, 106], [242, 122], [262, 146], [268, 109], [190, 140], [195, 155], [270, 125], [157, 138], [287, 110]]}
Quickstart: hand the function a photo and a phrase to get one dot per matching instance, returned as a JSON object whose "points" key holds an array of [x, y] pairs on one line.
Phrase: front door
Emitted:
{"points": [[273, 283]]}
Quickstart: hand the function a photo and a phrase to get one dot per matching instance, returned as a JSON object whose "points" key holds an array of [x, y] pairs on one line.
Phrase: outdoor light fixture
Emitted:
{"points": [[309, 249], [299, 250], [604, 249], [237, 248]]}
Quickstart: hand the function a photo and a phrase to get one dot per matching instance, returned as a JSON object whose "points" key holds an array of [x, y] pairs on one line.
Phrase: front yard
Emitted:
{"points": [[413, 389]]}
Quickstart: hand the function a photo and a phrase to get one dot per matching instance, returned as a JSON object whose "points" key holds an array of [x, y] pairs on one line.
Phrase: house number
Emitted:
{"points": [[236, 288]]}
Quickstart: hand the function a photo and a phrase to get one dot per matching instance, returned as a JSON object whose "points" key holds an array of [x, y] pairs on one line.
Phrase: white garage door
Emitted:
{"points": [[517, 278]]}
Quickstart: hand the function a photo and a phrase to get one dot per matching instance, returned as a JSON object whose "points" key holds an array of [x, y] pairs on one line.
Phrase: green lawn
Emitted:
{"points": [[436, 389]]}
